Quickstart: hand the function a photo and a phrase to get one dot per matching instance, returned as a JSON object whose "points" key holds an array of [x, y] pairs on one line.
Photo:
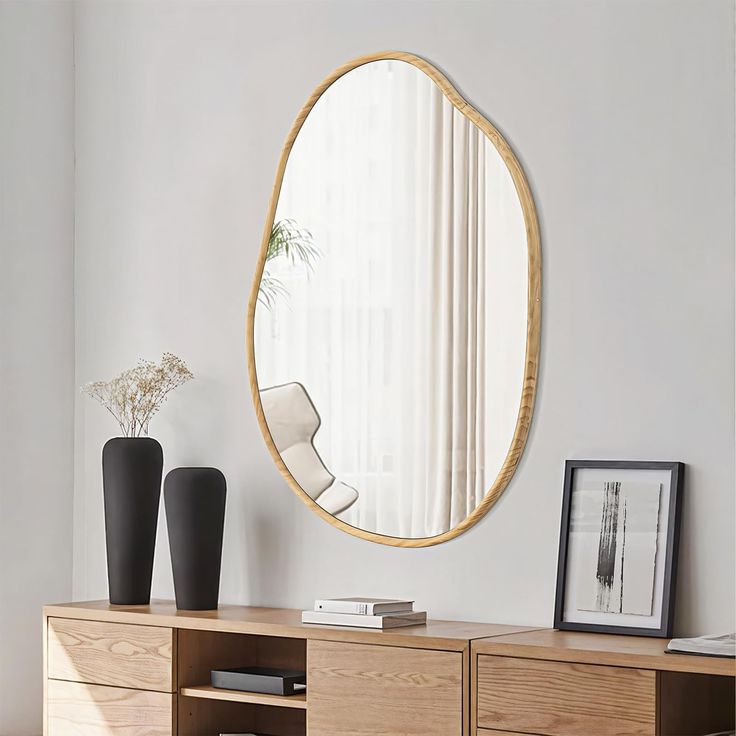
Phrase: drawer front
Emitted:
{"points": [[101, 653], [76, 709], [369, 690], [563, 699]]}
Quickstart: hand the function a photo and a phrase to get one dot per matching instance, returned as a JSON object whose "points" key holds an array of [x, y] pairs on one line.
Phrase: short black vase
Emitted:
{"points": [[195, 517], [131, 475]]}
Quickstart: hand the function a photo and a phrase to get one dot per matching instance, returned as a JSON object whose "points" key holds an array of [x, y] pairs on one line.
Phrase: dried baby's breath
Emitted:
{"points": [[136, 395]]}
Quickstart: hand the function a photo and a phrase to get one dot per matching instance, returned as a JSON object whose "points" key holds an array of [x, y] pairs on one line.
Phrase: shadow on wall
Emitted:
{"points": [[270, 559]]}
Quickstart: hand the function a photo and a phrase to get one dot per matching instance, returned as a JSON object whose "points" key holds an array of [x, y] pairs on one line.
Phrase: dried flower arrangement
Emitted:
{"points": [[137, 394]]}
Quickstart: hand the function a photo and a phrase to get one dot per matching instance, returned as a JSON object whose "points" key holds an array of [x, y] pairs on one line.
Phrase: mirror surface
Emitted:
{"points": [[391, 317]]}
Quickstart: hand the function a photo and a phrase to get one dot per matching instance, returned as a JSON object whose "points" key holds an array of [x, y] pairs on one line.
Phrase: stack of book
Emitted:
{"points": [[366, 613]]}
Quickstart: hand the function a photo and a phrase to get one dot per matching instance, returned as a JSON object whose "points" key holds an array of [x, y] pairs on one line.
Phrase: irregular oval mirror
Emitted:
{"points": [[394, 323]]}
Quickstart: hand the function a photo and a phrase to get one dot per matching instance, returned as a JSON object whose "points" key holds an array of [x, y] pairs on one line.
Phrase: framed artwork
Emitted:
{"points": [[617, 563]]}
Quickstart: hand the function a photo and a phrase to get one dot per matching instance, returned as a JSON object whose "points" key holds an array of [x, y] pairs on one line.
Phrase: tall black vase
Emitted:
{"points": [[195, 517], [131, 474]]}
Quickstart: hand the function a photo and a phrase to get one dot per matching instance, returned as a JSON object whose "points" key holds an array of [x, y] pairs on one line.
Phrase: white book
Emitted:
{"points": [[363, 621], [723, 645], [363, 606]]}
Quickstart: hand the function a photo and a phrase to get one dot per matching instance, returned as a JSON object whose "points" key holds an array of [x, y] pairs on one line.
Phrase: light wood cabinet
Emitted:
{"points": [[77, 709], [565, 699], [144, 671], [103, 653], [553, 683], [367, 690]]}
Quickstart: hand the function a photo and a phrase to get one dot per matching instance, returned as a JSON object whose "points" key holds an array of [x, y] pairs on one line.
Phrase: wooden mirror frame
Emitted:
{"points": [[533, 331]]}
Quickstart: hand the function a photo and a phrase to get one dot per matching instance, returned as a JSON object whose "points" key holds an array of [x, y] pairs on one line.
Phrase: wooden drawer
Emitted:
{"points": [[367, 690], [76, 709], [564, 699], [101, 653]]}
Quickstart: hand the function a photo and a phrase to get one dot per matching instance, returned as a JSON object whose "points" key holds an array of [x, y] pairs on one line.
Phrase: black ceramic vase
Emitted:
{"points": [[131, 474], [195, 517]]}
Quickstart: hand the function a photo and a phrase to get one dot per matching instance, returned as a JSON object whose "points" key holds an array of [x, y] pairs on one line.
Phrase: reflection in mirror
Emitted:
{"points": [[391, 323]]}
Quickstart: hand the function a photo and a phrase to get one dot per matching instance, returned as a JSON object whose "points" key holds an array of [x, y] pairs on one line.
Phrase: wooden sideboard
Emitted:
{"points": [[558, 683], [145, 671]]}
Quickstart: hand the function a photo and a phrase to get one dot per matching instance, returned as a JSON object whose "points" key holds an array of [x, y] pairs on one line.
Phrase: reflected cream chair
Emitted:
{"points": [[293, 422]]}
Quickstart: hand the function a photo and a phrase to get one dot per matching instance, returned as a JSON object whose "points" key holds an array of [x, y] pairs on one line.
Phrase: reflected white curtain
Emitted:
{"points": [[389, 333], [444, 413]]}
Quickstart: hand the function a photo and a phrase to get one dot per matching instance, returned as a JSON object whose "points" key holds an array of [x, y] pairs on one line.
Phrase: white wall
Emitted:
{"points": [[622, 113], [36, 341]]}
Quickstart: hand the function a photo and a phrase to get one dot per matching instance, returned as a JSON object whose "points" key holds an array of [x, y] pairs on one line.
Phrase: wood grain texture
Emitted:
{"points": [[204, 717], [365, 690], [104, 653], [695, 704], [197, 717], [280, 622], [533, 301], [111, 654], [466, 690], [492, 732], [45, 640], [473, 681], [281, 721], [238, 696], [77, 709], [624, 651], [564, 699], [202, 651]]}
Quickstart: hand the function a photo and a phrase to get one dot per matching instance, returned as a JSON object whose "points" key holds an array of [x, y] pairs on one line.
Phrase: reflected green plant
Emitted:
{"points": [[290, 241]]}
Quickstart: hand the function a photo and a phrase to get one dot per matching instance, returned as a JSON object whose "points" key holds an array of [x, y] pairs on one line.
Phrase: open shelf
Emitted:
{"points": [[203, 710], [238, 696]]}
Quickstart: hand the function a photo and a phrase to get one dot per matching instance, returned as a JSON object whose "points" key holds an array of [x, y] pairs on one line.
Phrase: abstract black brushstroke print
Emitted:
{"points": [[607, 545], [615, 535]]}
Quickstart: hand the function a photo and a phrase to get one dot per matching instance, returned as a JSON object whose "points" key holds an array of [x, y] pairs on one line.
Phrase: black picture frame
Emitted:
{"points": [[674, 515]]}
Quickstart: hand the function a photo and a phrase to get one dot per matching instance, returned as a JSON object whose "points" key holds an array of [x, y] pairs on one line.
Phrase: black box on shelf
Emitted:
{"points": [[269, 680]]}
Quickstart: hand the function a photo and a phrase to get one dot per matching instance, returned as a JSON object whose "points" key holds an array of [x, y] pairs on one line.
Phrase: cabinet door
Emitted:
{"points": [[138, 657], [370, 690], [565, 699], [76, 709]]}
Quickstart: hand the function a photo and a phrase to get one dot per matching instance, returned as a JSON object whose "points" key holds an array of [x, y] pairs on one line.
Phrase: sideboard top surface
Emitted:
{"points": [[282, 622], [611, 649]]}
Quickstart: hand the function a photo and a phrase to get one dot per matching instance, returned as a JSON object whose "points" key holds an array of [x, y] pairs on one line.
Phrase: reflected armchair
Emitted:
{"points": [[293, 421]]}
